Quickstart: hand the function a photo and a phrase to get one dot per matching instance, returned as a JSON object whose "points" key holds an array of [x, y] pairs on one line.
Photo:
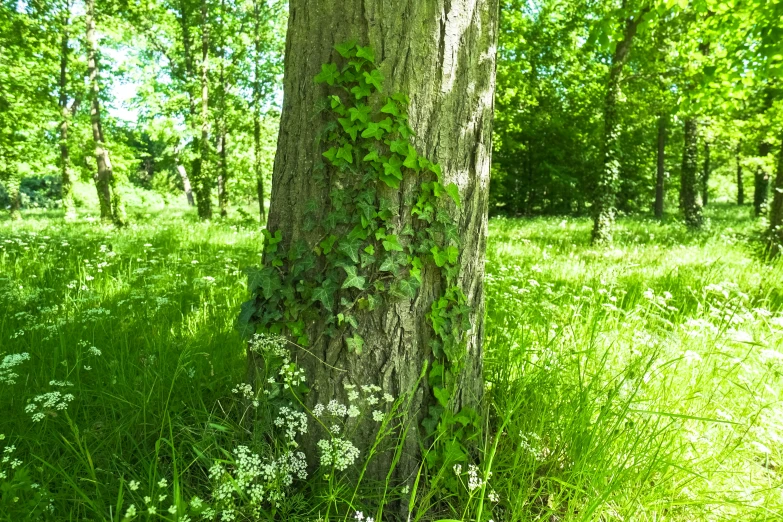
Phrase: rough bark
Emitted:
{"points": [[69, 205], [705, 176], [105, 182], [257, 166], [441, 53], [776, 209], [740, 183], [183, 174], [761, 182], [689, 189], [609, 176], [660, 175]]}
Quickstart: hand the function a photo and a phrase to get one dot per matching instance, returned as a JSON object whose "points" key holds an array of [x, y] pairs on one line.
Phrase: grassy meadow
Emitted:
{"points": [[640, 382]]}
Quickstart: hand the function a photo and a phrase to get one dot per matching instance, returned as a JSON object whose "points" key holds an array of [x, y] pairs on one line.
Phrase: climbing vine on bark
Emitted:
{"points": [[362, 255]]}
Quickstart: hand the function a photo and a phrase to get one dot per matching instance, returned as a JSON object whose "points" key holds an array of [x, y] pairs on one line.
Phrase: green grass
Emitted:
{"points": [[640, 382]]}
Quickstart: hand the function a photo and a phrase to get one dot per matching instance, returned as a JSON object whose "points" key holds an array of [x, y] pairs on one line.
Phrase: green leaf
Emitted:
{"points": [[355, 344], [327, 244], [399, 146], [392, 167], [353, 280], [453, 190], [372, 156], [325, 294], [374, 78], [373, 130], [348, 127], [362, 90], [411, 159], [328, 74], [442, 395], [331, 154], [391, 108], [345, 153], [346, 49], [361, 112], [366, 53], [350, 247], [391, 243], [370, 249]]}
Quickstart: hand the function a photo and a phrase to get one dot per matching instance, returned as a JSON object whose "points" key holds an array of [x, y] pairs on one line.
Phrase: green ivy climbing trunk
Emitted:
{"points": [[609, 176], [776, 209], [689, 176], [441, 54]]}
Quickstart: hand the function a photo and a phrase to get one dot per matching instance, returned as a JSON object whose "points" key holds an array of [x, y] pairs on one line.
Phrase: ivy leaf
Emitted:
{"points": [[373, 130], [391, 108], [392, 167], [345, 153], [327, 244], [366, 53], [361, 112], [453, 190], [391, 243], [435, 168], [362, 90], [389, 264], [353, 280], [335, 101], [442, 395], [406, 288], [350, 247], [448, 255], [267, 280], [331, 154], [355, 344], [325, 294], [328, 74], [399, 146], [386, 124], [348, 127], [372, 156], [346, 49], [411, 159], [374, 78]]}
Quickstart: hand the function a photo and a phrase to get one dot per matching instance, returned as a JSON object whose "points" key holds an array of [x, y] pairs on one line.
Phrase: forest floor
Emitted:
{"points": [[638, 382]]}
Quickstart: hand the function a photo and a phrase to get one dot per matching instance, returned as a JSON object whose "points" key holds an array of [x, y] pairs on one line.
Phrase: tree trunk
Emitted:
{"points": [[257, 167], [740, 184], [609, 176], [69, 205], [689, 176], [705, 176], [183, 174], [222, 181], [108, 196], [202, 181], [442, 55], [761, 182], [776, 209], [661, 167], [13, 185], [189, 80], [223, 174]]}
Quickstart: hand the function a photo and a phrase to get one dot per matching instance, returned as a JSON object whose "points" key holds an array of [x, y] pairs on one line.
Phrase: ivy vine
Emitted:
{"points": [[361, 257]]}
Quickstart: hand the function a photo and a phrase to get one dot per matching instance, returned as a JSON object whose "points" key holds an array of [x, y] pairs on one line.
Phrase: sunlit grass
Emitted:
{"points": [[639, 382]]}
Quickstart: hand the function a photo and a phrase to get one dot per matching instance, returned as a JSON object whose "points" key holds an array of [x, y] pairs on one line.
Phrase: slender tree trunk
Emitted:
{"points": [[203, 182], [223, 174], [705, 176], [740, 184], [441, 54], [609, 176], [689, 190], [183, 174], [776, 209], [257, 166], [104, 179], [13, 186], [69, 205], [193, 119], [222, 181], [661, 167], [761, 182]]}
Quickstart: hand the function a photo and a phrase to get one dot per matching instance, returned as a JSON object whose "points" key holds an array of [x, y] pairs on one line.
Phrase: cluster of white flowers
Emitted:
{"points": [[337, 452], [361, 518], [474, 480], [294, 422], [531, 442], [252, 477], [271, 344], [244, 389], [47, 402], [8, 459], [7, 373]]}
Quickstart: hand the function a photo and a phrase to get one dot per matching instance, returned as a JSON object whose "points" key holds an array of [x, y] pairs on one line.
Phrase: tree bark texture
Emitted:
{"points": [[609, 177], [108, 196], [441, 53], [761, 182], [689, 182], [257, 166], [201, 175], [776, 209], [660, 175], [183, 174], [69, 205], [705, 176]]}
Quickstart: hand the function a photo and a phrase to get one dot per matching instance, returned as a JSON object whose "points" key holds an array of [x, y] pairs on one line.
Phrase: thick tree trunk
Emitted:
{"points": [[705, 176], [69, 205], [183, 174], [740, 183], [660, 175], [441, 54], [689, 189], [201, 175], [609, 176], [761, 182], [108, 196], [256, 106], [776, 209]]}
